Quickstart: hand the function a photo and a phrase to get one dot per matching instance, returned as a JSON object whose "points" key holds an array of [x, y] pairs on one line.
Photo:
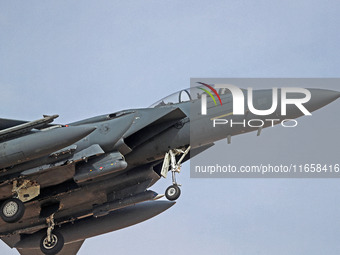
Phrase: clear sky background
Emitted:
{"points": [[84, 58]]}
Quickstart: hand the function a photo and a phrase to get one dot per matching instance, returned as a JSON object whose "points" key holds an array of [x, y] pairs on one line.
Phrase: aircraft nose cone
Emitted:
{"points": [[320, 98]]}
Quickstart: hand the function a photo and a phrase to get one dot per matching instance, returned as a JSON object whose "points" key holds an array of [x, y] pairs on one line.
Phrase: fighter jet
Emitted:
{"points": [[61, 184]]}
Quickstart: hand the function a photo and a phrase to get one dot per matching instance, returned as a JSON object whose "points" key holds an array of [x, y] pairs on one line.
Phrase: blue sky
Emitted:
{"points": [[84, 58]]}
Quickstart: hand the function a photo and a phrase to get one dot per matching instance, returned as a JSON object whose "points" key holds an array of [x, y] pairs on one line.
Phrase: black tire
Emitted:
{"points": [[53, 247], [12, 210], [172, 192]]}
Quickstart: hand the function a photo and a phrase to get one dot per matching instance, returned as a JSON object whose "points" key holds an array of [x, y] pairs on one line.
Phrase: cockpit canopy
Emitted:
{"points": [[185, 95]]}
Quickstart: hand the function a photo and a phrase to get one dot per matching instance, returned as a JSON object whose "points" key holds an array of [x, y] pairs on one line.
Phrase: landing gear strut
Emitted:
{"points": [[53, 242], [173, 192]]}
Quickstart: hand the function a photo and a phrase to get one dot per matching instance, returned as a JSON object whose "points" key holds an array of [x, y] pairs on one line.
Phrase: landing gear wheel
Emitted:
{"points": [[54, 246], [172, 192], [12, 210]]}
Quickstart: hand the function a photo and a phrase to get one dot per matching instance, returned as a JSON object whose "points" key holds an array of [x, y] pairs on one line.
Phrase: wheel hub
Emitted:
{"points": [[10, 209], [171, 191], [50, 245]]}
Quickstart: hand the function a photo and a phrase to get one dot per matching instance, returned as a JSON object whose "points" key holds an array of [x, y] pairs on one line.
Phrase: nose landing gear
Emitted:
{"points": [[173, 192]]}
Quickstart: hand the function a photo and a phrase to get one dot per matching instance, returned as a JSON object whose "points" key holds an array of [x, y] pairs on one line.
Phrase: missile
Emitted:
{"points": [[90, 227], [100, 166], [39, 144]]}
